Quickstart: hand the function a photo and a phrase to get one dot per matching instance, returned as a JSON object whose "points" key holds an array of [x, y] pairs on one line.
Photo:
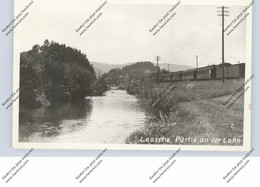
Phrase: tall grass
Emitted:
{"points": [[168, 119]]}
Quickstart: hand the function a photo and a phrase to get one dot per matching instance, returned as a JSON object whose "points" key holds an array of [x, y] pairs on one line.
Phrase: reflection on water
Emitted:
{"points": [[107, 119]]}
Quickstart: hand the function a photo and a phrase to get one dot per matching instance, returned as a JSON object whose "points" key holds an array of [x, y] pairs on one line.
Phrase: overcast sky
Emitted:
{"points": [[121, 35]]}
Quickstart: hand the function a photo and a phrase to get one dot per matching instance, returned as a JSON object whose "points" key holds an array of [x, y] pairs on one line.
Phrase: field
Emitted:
{"points": [[190, 113]]}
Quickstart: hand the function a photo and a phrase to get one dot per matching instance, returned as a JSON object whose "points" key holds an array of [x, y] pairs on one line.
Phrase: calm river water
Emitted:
{"points": [[107, 119]]}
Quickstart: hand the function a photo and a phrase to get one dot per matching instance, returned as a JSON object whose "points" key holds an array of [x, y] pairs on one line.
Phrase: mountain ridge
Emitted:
{"points": [[101, 68]]}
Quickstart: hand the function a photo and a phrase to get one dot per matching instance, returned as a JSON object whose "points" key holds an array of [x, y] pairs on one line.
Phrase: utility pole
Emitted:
{"points": [[157, 60], [197, 61], [224, 12], [168, 67]]}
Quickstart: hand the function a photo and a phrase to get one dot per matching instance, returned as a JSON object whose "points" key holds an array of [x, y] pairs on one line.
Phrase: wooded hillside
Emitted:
{"points": [[53, 73]]}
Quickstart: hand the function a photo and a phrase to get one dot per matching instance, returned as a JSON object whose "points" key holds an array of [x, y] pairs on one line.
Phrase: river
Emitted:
{"points": [[106, 119]]}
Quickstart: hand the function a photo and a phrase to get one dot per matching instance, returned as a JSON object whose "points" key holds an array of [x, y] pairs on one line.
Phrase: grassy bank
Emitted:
{"points": [[191, 112]]}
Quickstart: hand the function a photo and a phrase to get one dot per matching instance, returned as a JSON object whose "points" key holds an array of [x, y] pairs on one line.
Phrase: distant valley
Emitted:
{"points": [[101, 68]]}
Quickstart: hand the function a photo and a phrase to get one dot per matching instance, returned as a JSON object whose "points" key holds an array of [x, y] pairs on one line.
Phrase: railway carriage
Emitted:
{"points": [[168, 77], [206, 73], [219, 70], [189, 75], [236, 71], [176, 76], [161, 77]]}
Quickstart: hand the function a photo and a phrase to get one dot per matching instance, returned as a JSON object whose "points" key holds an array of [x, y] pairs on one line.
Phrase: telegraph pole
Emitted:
{"points": [[224, 12], [168, 67]]}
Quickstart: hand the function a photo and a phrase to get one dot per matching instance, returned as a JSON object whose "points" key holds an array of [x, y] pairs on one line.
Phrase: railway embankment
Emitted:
{"points": [[189, 113]]}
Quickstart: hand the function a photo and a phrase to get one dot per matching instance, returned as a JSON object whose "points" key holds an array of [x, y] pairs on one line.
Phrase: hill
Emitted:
{"points": [[139, 71], [104, 68], [175, 67]]}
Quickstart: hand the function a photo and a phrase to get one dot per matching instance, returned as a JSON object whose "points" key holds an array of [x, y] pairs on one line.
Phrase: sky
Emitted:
{"points": [[121, 35]]}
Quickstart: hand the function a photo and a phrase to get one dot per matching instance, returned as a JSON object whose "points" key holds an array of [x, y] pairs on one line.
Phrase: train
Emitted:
{"points": [[212, 72]]}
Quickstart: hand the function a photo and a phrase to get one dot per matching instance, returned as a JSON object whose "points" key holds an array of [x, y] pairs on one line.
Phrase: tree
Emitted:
{"points": [[56, 72]]}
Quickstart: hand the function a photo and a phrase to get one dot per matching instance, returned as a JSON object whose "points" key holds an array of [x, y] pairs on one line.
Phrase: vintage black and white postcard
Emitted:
{"points": [[132, 75]]}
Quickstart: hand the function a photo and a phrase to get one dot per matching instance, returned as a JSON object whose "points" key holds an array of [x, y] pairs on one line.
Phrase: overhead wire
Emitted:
{"points": [[210, 44], [232, 50], [190, 43]]}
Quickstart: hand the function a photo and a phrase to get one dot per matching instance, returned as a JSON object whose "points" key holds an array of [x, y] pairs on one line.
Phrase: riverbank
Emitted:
{"points": [[190, 113]]}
